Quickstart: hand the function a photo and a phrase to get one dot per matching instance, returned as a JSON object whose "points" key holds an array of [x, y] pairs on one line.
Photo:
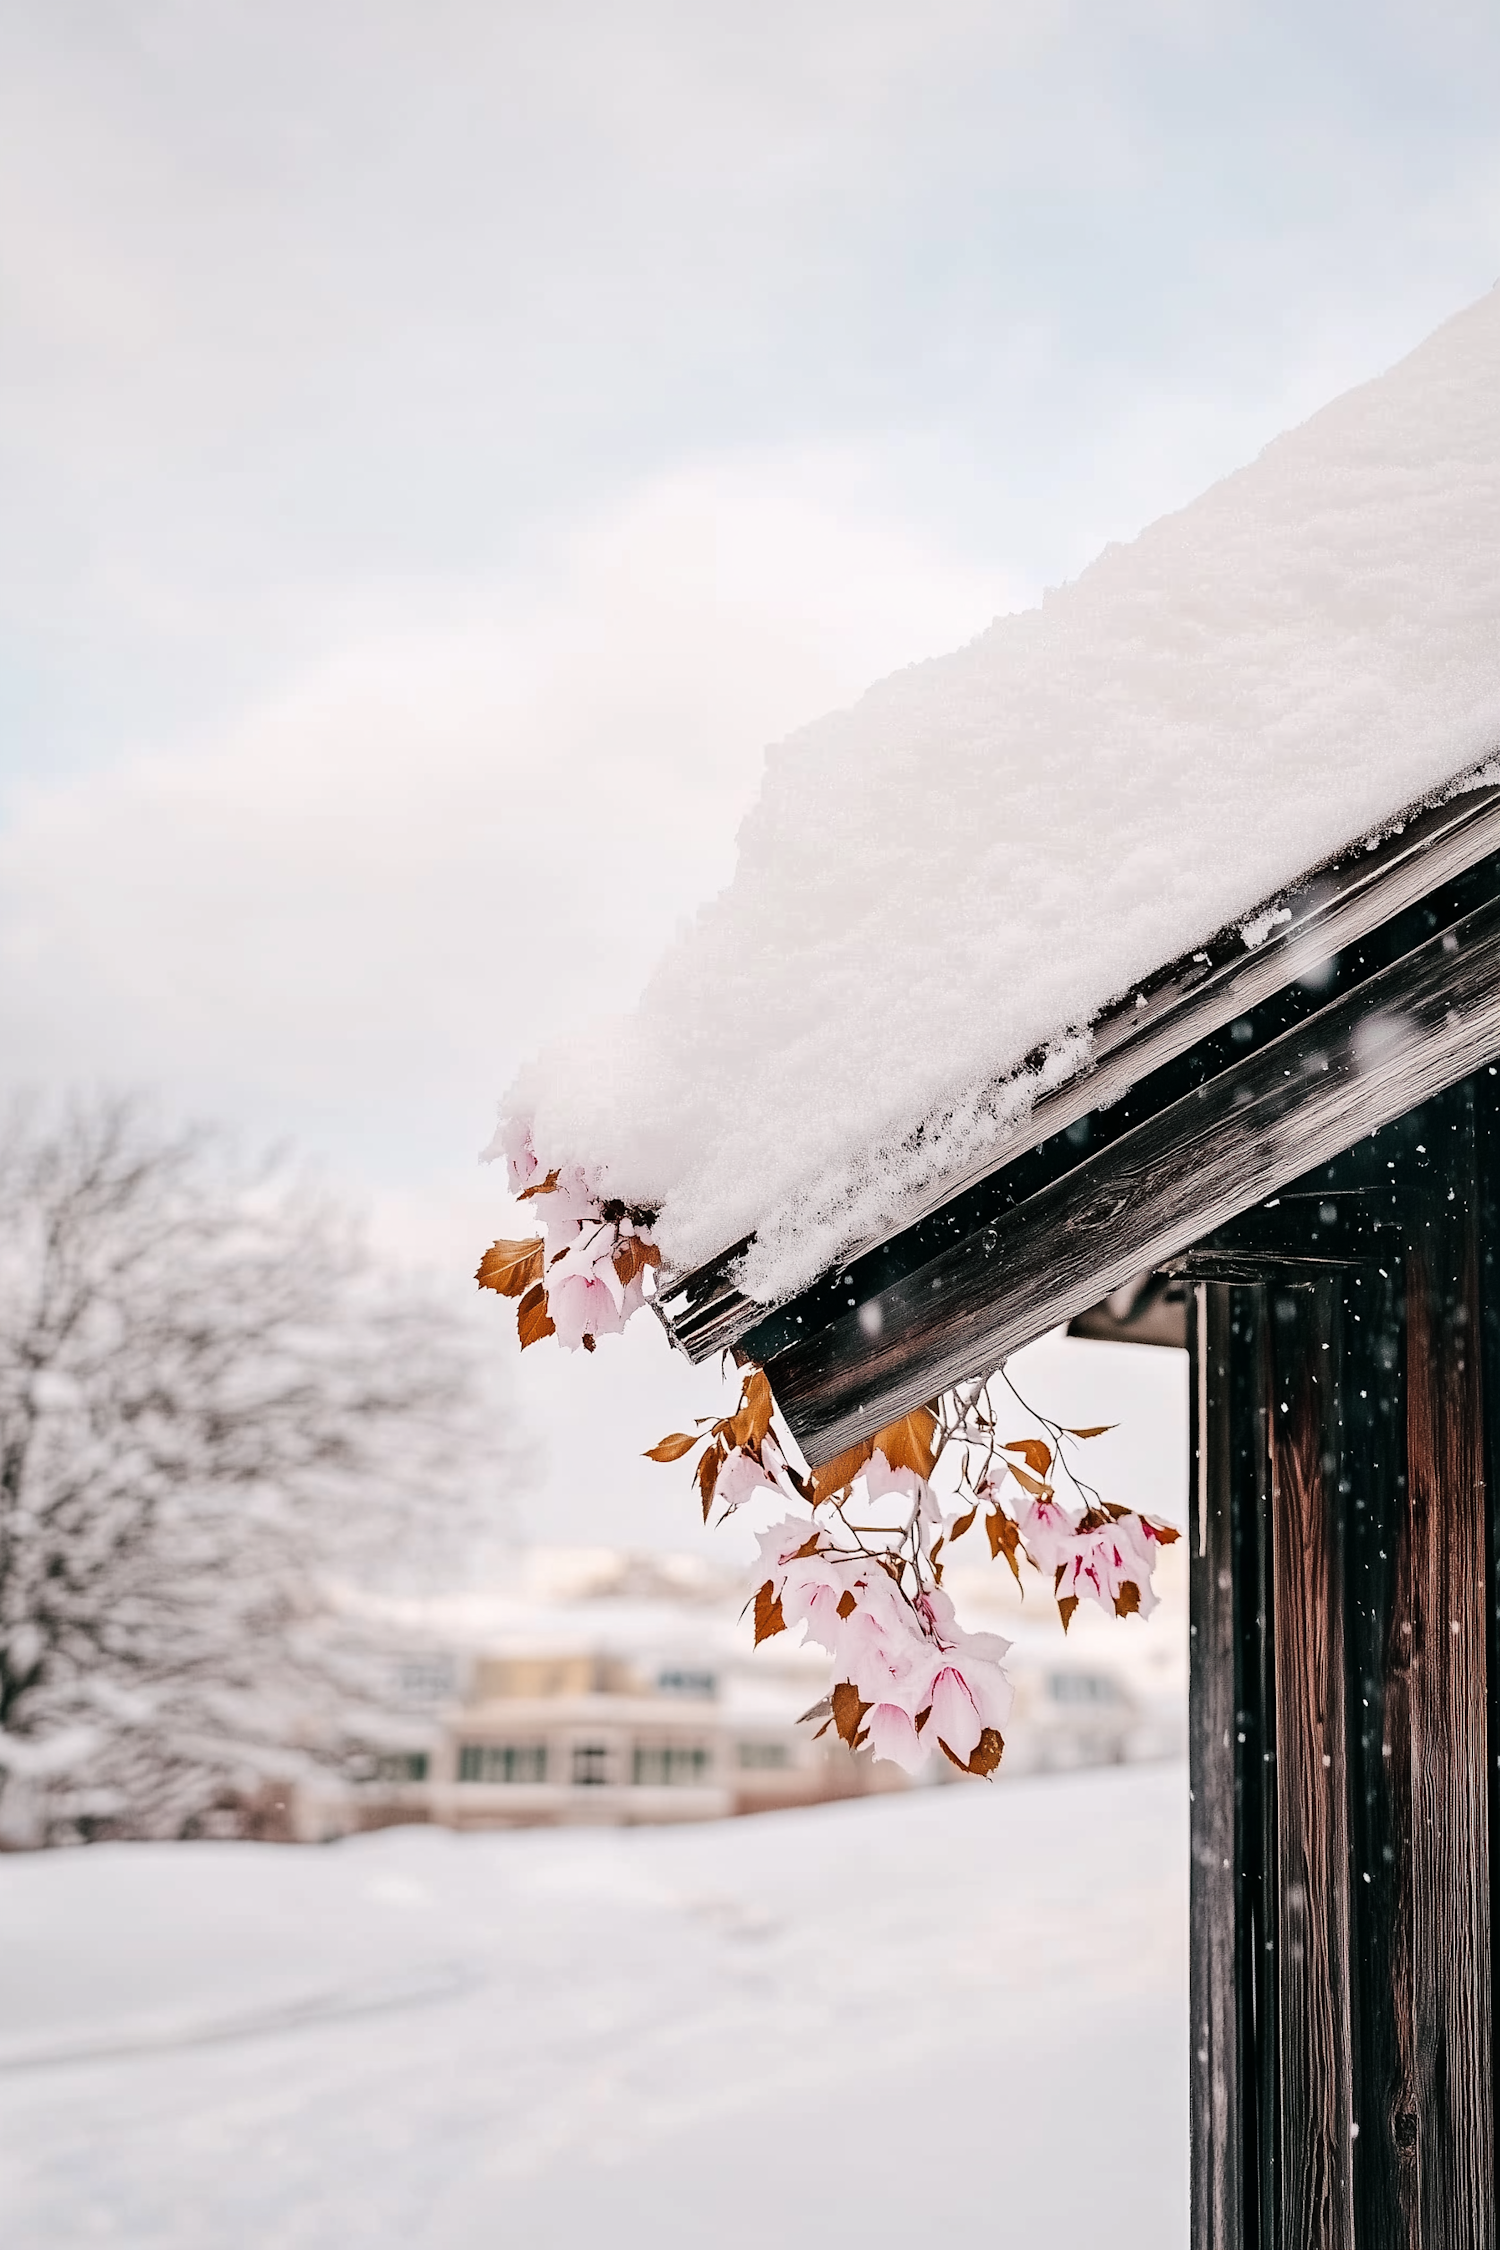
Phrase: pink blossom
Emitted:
{"points": [[580, 1306], [568, 1208], [1049, 1532], [740, 1477], [1103, 1561], [892, 1734], [880, 1480], [512, 1140], [955, 1714]]}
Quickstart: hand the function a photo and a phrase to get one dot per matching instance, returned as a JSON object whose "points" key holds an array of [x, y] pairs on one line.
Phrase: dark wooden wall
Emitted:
{"points": [[1343, 1679]]}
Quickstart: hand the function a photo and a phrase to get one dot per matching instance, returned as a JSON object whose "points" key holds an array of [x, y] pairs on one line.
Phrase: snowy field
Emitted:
{"points": [[958, 2015]]}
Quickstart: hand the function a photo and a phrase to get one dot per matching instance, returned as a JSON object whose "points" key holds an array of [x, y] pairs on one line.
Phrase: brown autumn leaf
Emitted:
{"points": [[1128, 1599], [1004, 1535], [768, 1617], [533, 1321], [982, 1759], [840, 1471], [922, 1718], [750, 1424], [848, 1711], [632, 1256], [1165, 1534], [963, 1524], [541, 1187], [1036, 1486], [671, 1448], [510, 1268], [1036, 1455], [588, 1343], [1065, 1608], [708, 1475], [907, 1444], [987, 1751], [847, 1604], [808, 1547], [1099, 1429]]}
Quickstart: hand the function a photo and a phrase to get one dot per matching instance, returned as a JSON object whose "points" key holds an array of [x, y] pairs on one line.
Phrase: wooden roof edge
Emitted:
{"points": [[1330, 906]]}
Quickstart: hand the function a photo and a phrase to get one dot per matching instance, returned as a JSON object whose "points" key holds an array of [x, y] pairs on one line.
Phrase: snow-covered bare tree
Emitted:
{"points": [[213, 1403]]}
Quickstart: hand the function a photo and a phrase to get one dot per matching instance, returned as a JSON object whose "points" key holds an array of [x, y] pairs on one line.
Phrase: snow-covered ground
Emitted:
{"points": [[953, 2016]]}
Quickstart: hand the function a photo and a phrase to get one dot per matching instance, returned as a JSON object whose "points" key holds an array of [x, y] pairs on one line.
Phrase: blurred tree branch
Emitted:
{"points": [[212, 1401]]}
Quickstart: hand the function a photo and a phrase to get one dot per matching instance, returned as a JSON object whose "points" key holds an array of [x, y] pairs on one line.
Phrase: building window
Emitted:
{"points": [[401, 1765], [670, 1765], [680, 1679], [590, 1764], [502, 1761], [1082, 1688], [764, 1757]]}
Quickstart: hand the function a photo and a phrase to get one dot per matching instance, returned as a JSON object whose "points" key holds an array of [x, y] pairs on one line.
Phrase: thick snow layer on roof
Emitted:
{"points": [[987, 849]]}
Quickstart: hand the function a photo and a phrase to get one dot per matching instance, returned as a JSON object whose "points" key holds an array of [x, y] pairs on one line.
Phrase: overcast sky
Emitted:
{"points": [[441, 444]]}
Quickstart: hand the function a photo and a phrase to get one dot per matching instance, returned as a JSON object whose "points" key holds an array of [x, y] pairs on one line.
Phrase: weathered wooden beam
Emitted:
{"points": [[1325, 911], [1381, 1047]]}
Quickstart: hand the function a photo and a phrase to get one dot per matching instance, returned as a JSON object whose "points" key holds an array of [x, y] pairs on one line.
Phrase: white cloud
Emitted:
{"points": [[363, 901], [349, 917]]}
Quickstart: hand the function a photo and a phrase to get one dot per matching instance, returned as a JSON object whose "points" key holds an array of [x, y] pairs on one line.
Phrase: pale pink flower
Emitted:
{"points": [[880, 1480], [955, 1714], [1049, 1532], [1103, 1561], [566, 1209], [512, 1140], [740, 1477], [581, 1305], [893, 1734]]}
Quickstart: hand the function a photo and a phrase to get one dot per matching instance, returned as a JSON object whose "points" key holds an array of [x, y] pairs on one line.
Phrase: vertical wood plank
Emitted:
{"points": [[1215, 2122], [1316, 2101], [1436, 1731]]}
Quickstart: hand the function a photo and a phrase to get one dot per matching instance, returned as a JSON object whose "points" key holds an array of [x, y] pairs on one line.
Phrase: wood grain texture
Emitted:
{"points": [[1375, 1053], [1216, 2122], [1316, 2111], [1443, 2121]]}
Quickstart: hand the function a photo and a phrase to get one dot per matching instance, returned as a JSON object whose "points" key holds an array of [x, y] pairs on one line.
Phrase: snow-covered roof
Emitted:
{"points": [[985, 851]]}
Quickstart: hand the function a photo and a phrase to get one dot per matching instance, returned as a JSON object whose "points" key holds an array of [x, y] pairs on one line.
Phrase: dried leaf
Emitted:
{"points": [[848, 1711], [510, 1268], [1036, 1455], [847, 1604], [983, 1758], [1128, 1599], [632, 1256], [922, 1718], [541, 1187], [749, 1426], [1165, 1534], [1065, 1609], [708, 1476], [1005, 1539], [987, 1752], [963, 1524], [1028, 1483], [907, 1444], [768, 1617], [672, 1448], [533, 1321], [588, 1343], [1098, 1430], [841, 1471], [808, 1547]]}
